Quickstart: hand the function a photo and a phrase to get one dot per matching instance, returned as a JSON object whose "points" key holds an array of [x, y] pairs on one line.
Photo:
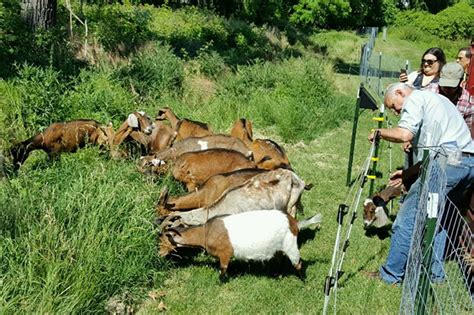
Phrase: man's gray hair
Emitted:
{"points": [[390, 91]]}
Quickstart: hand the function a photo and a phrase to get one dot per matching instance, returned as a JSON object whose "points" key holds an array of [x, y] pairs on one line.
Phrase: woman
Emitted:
{"points": [[427, 77]]}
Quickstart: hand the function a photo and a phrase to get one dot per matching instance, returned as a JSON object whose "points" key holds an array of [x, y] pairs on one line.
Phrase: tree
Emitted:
{"points": [[39, 14]]}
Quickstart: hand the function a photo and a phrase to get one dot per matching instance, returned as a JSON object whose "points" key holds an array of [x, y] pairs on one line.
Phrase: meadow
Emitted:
{"points": [[77, 234]]}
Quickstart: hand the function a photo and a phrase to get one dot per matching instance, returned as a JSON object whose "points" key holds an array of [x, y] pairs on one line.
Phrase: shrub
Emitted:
{"points": [[189, 29], [452, 23], [121, 28], [154, 72]]}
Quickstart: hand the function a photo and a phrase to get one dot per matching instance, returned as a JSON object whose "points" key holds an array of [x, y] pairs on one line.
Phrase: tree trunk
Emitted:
{"points": [[39, 14]]}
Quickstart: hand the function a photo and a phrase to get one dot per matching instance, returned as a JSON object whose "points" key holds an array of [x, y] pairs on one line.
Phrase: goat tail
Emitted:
{"points": [[316, 219]]}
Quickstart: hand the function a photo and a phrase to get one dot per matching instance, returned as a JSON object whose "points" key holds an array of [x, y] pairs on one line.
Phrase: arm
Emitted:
{"points": [[393, 134]]}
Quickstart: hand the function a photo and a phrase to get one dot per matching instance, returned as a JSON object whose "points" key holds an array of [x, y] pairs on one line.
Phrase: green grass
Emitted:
{"points": [[76, 235]]}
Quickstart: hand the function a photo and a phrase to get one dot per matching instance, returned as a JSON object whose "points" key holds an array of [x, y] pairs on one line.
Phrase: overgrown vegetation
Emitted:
{"points": [[76, 235]]}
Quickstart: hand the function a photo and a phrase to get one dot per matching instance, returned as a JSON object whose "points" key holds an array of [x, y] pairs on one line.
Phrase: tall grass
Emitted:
{"points": [[74, 234]]}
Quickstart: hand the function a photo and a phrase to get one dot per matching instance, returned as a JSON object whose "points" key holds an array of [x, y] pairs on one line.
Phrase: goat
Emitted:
{"points": [[375, 207], [194, 144], [267, 153], [279, 189], [184, 128], [136, 128], [194, 168], [61, 137], [255, 235], [208, 193]]}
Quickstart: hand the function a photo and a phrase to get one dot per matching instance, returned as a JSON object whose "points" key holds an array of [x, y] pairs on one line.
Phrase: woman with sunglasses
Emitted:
{"points": [[427, 77]]}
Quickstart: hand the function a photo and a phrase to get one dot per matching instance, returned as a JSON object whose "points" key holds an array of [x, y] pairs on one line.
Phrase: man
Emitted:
{"points": [[464, 59], [449, 83], [427, 120]]}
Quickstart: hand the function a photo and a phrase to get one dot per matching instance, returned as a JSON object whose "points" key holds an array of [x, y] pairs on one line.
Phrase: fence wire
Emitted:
{"points": [[453, 295], [378, 70]]}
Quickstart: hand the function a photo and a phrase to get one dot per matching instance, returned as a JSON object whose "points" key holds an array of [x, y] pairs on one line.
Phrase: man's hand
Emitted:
{"points": [[396, 179], [373, 134], [406, 146]]}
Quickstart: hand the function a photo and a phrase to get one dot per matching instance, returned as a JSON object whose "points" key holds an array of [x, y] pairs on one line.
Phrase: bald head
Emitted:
{"points": [[395, 96]]}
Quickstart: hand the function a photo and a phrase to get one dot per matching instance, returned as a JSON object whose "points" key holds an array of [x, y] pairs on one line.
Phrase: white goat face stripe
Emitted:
{"points": [[203, 144], [157, 162], [132, 121], [367, 201], [141, 113]]}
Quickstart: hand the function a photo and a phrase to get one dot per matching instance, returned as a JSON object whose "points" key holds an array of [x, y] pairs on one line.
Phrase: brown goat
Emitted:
{"points": [[193, 144], [61, 137], [374, 208], [195, 168], [207, 194], [184, 128], [135, 128], [267, 153]]}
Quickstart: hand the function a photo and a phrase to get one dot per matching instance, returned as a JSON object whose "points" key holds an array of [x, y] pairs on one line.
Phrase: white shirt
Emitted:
{"points": [[433, 120]]}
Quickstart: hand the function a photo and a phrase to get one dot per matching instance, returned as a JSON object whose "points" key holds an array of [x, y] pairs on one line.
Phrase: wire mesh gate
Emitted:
{"points": [[439, 216]]}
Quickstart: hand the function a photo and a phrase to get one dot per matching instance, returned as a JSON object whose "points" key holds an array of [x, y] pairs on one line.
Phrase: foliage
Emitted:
{"points": [[295, 97], [452, 23], [121, 28], [154, 72], [37, 95], [343, 14], [98, 94], [188, 30]]}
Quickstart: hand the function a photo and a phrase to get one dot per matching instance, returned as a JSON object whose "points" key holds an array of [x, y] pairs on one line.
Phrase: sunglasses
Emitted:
{"points": [[428, 61]]}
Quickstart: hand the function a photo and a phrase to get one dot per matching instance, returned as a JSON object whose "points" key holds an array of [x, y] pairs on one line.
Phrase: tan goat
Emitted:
{"points": [[267, 153], [195, 168], [207, 194], [61, 137], [184, 128]]}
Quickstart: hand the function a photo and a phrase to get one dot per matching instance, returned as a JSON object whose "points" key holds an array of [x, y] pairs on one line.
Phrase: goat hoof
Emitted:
{"points": [[224, 278]]}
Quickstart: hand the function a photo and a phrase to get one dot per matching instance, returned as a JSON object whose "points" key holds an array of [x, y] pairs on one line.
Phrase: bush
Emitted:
{"points": [[121, 28], [188, 30], [452, 23], [154, 72]]}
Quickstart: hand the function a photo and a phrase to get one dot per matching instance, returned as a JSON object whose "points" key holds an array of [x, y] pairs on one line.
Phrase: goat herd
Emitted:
{"points": [[242, 192]]}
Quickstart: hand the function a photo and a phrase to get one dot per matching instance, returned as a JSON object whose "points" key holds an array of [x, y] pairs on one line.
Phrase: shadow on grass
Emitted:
{"points": [[382, 233], [362, 265], [279, 266]]}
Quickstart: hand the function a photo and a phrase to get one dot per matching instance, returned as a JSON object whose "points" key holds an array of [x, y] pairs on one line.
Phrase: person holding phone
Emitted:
{"points": [[427, 77]]}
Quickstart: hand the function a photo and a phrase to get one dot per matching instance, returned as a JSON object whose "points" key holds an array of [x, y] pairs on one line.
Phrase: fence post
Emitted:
{"points": [[430, 227], [354, 131], [375, 158]]}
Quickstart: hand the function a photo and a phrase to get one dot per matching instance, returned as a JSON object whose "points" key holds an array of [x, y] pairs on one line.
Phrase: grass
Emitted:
{"points": [[76, 235]]}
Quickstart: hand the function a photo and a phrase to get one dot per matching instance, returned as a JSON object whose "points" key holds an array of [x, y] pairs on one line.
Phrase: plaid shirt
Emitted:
{"points": [[465, 105], [432, 87]]}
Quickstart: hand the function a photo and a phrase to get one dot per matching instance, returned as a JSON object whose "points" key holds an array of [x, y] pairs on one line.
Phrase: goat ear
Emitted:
{"points": [[141, 113], [132, 121]]}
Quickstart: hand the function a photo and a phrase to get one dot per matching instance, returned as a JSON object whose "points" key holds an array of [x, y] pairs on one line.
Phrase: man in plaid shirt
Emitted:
{"points": [[450, 86]]}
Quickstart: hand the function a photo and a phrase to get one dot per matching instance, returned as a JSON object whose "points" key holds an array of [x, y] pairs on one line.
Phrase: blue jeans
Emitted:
{"points": [[458, 177]]}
